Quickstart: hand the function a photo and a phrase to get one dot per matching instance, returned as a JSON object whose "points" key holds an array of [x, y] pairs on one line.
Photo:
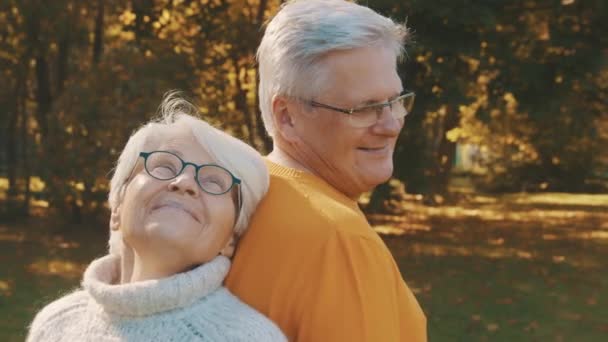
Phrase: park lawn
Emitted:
{"points": [[506, 268], [38, 266], [483, 267]]}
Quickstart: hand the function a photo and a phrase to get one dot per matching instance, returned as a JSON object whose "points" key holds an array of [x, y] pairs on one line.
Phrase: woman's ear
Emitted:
{"points": [[115, 218], [115, 212], [228, 250]]}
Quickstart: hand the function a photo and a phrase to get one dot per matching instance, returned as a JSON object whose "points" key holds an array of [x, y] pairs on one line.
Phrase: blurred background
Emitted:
{"points": [[498, 212]]}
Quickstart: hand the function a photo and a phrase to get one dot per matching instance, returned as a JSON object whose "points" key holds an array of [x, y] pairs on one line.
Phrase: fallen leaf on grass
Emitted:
{"points": [[492, 327], [63, 268], [558, 258], [506, 301], [524, 255], [532, 326], [591, 301], [496, 242], [5, 288]]}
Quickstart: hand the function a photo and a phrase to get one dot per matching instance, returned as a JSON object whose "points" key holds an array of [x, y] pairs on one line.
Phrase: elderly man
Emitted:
{"points": [[334, 105]]}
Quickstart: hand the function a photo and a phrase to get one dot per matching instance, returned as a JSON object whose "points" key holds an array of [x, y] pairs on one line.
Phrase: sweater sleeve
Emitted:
{"points": [[48, 323]]}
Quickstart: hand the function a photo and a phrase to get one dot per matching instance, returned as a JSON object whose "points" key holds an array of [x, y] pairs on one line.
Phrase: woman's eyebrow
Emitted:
{"points": [[179, 154]]}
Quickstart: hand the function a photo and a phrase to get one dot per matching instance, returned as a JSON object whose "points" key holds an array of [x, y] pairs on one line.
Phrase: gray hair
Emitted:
{"points": [[304, 31], [233, 154]]}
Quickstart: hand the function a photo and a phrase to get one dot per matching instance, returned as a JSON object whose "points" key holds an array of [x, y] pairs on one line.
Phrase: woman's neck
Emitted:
{"points": [[142, 268], [126, 264]]}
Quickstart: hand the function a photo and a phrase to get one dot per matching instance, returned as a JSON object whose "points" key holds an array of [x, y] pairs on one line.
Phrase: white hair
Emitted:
{"points": [[303, 32], [229, 152]]}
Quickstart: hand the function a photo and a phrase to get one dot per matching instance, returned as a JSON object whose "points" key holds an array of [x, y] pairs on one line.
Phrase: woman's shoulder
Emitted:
{"points": [[45, 322], [238, 320]]}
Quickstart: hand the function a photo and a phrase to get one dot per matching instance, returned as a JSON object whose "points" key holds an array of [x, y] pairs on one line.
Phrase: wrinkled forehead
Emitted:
{"points": [[179, 139]]}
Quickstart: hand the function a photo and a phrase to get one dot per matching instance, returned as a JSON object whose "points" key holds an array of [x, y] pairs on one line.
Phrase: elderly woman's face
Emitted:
{"points": [[174, 223]]}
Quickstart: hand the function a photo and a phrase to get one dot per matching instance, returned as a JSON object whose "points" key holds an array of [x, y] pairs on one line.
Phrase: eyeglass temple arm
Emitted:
{"points": [[321, 105]]}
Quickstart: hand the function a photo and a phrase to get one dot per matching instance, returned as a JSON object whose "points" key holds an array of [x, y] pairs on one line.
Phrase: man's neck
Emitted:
{"points": [[283, 158]]}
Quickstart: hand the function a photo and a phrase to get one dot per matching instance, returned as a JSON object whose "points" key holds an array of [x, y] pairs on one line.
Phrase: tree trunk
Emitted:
{"points": [[446, 152], [24, 153], [141, 8], [43, 95], [241, 103], [11, 153], [63, 56], [377, 198], [260, 130], [261, 9], [98, 33]]}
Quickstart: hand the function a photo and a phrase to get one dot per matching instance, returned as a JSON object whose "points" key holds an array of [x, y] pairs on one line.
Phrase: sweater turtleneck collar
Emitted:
{"points": [[151, 296]]}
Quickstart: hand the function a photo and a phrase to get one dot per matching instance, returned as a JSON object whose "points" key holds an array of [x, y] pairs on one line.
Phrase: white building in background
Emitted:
{"points": [[468, 158]]}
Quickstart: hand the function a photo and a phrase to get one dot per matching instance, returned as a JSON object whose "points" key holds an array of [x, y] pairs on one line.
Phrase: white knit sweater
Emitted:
{"points": [[190, 306]]}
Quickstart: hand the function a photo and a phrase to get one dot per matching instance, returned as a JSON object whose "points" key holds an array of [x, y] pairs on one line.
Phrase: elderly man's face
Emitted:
{"points": [[353, 160], [175, 224]]}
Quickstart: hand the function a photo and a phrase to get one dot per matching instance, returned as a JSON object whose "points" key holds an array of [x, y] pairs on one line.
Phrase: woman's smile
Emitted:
{"points": [[173, 204]]}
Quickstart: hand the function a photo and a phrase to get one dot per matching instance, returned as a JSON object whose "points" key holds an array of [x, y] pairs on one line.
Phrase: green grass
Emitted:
{"points": [[483, 267], [507, 268], [39, 266]]}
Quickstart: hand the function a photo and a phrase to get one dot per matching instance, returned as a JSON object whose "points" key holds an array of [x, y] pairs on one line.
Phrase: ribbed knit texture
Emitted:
{"points": [[189, 306]]}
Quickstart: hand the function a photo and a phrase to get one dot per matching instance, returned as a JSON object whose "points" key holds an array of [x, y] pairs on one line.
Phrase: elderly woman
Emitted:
{"points": [[181, 195]]}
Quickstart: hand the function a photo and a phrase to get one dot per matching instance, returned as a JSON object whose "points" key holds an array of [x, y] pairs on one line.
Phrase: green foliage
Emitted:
{"points": [[526, 82]]}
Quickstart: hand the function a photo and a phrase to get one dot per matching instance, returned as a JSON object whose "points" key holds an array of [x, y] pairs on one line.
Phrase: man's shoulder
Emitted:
{"points": [[299, 204]]}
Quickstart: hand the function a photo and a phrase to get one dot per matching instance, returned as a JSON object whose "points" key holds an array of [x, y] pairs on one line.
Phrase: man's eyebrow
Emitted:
{"points": [[373, 102]]}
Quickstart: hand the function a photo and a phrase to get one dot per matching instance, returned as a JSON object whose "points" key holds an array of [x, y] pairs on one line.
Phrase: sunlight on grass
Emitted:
{"points": [[36, 184], [62, 268], [502, 213], [560, 199], [385, 229], [39, 203], [12, 237], [491, 251], [592, 235]]}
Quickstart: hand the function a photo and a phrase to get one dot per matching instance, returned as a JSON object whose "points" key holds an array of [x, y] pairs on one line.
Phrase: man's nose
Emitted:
{"points": [[387, 124]]}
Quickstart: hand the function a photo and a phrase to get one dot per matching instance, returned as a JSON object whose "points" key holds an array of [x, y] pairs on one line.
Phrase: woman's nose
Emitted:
{"points": [[185, 183]]}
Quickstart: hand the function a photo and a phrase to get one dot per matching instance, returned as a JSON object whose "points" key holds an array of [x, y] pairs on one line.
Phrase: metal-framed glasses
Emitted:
{"points": [[211, 178], [369, 115]]}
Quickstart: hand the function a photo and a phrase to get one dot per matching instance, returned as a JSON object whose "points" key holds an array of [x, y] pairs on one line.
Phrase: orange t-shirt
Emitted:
{"points": [[311, 262]]}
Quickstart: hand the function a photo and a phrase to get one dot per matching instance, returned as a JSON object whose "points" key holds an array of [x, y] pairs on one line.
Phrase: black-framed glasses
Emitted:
{"points": [[211, 178], [369, 115]]}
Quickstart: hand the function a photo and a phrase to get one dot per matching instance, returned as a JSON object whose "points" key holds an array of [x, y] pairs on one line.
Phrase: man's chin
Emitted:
{"points": [[378, 179]]}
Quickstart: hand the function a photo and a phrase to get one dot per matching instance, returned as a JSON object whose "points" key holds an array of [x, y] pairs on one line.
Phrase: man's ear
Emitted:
{"points": [[228, 250], [283, 116]]}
